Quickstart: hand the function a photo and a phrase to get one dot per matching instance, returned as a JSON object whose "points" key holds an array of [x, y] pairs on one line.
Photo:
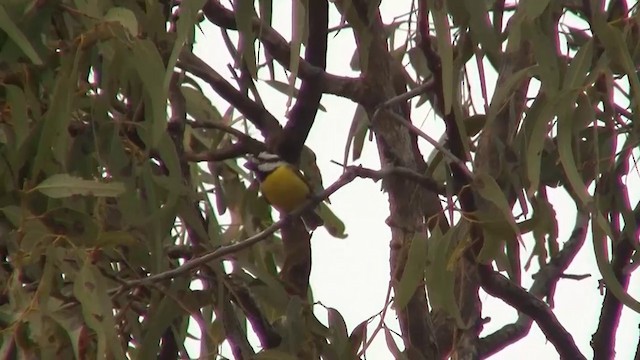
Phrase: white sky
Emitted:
{"points": [[352, 275]]}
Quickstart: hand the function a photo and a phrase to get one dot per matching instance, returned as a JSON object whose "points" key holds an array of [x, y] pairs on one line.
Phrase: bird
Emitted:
{"points": [[283, 186]]}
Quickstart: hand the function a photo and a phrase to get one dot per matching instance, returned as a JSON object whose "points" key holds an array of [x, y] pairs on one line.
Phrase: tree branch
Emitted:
{"points": [[224, 251], [604, 339], [348, 176], [545, 279], [245, 144], [279, 48], [499, 286], [258, 115], [304, 111]]}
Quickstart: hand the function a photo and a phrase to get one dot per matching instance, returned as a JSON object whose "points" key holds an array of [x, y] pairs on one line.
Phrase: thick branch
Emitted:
{"points": [[396, 148], [258, 115], [303, 113], [499, 286]]}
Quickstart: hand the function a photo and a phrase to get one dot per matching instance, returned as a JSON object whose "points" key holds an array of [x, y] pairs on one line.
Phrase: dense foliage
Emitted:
{"points": [[122, 190]]}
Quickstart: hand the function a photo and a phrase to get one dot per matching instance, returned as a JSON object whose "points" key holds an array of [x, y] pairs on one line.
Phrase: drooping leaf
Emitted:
{"points": [[445, 51], [17, 36], [125, 17], [19, 121], [536, 121], [357, 134], [199, 106], [413, 272], [440, 273], [545, 53], [392, 346], [338, 327], [332, 223], [358, 336], [504, 92], [185, 34], [481, 30], [501, 219], [244, 14], [149, 65], [534, 8], [161, 316], [90, 288], [601, 231]]}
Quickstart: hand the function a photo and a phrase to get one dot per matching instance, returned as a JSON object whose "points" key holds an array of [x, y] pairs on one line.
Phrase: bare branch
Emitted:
{"points": [[547, 277], [499, 286]]}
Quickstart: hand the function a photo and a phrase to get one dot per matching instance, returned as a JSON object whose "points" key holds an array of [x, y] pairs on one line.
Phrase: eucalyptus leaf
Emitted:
{"points": [[65, 185]]}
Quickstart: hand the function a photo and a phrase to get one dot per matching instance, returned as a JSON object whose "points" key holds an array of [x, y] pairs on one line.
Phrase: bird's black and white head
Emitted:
{"points": [[263, 164]]}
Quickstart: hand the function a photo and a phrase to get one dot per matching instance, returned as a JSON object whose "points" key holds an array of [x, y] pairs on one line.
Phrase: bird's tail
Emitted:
{"points": [[311, 220]]}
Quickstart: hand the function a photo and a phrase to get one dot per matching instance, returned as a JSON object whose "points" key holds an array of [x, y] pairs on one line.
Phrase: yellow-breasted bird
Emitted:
{"points": [[283, 185]]}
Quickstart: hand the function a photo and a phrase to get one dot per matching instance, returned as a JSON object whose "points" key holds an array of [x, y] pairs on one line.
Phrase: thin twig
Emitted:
{"points": [[223, 251], [348, 176], [409, 94], [380, 326]]}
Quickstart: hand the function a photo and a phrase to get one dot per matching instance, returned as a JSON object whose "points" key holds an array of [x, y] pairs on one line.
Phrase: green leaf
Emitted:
{"points": [[413, 272], [14, 33], [339, 335], [90, 289], [54, 127], [274, 355], [19, 120], [536, 123], [392, 346], [546, 56], [199, 106], [245, 13], [185, 33], [615, 46], [496, 204], [601, 230], [565, 149], [481, 30], [440, 274], [299, 34], [13, 213], [332, 223], [445, 50], [357, 134], [65, 185], [580, 65], [534, 8], [148, 63], [419, 62], [161, 315], [124, 17], [355, 19], [504, 91]]}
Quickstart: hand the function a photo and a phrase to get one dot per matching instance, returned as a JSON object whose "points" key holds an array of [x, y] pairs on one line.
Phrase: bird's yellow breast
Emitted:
{"points": [[285, 189]]}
